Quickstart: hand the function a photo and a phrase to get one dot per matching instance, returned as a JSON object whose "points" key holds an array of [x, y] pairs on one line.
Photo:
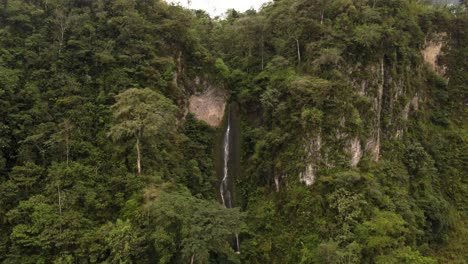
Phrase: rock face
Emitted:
{"points": [[389, 103], [432, 51], [313, 157], [412, 105], [209, 105], [356, 151]]}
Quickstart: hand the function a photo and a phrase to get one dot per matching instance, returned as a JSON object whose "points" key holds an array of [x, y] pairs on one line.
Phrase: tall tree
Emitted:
{"points": [[193, 226], [141, 114]]}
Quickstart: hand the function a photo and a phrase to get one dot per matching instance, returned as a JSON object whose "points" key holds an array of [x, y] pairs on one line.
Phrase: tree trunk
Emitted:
{"points": [[138, 155], [298, 51], [65, 131], [60, 205], [277, 179], [263, 47], [67, 146], [179, 63], [61, 38], [237, 244], [192, 259], [62, 21]]}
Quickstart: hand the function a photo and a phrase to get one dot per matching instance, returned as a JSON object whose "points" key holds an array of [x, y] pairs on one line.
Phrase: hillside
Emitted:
{"points": [[310, 131]]}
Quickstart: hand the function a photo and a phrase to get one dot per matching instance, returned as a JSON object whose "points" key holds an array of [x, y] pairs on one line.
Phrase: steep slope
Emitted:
{"points": [[87, 176], [352, 120], [352, 99]]}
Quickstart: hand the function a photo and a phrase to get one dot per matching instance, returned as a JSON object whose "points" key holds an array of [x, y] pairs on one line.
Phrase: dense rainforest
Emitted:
{"points": [[352, 141]]}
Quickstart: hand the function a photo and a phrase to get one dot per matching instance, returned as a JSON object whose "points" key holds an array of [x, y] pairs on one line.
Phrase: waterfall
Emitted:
{"points": [[224, 186]]}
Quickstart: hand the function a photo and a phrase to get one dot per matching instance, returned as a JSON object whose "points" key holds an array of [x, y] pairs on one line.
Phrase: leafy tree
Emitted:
{"points": [[198, 227], [405, 255], [25, 177], [141, 114], [121, 239]]}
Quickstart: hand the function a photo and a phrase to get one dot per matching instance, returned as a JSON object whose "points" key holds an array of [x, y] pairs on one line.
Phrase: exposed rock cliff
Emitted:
{"points": [[208, 105], [312, 159], [355, 151], [433, 50], [386, 103]]}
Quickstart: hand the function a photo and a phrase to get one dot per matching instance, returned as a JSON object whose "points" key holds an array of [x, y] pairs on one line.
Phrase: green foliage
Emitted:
{"points": [[120, 239], [63, 181], [141, 113], [90, 88], [199, 147], [405, 255], [189, 228], [222, 68]]}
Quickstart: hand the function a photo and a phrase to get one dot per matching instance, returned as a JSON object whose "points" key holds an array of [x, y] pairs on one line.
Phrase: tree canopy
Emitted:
{"points": [[351, 143]]}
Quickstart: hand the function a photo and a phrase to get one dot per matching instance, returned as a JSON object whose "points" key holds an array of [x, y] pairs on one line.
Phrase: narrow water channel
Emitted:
{"points": [[224, 188]]}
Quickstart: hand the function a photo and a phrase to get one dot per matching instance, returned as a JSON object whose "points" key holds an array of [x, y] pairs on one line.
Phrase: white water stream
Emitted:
{"points": [[223, 188]]}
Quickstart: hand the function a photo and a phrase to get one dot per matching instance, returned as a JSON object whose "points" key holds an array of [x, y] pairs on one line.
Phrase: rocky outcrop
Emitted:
{"points": [[208, 105], [373, 143], [410, 106], [355, 151], [313, 156], [387, 104], [432, 50]]}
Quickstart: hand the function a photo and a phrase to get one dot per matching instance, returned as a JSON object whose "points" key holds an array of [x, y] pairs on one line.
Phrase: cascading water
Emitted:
{"points": [[224, 186]]}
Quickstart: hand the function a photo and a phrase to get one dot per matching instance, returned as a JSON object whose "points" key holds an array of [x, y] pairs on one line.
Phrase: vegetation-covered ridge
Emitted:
{"points": [[353, 148]]}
